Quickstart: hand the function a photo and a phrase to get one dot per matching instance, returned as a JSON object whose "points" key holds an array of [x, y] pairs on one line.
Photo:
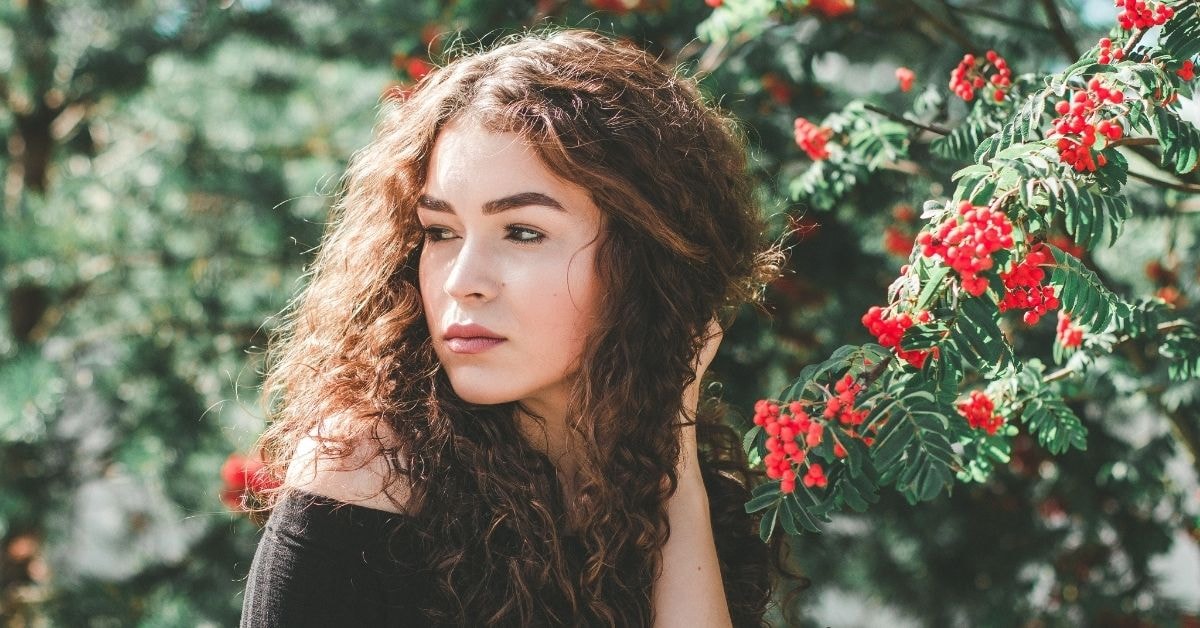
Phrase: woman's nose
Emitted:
{"points": [[472, 272]]}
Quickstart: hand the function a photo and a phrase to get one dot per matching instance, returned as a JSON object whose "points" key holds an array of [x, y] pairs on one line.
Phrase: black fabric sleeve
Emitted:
{"points": [[321, 562]]}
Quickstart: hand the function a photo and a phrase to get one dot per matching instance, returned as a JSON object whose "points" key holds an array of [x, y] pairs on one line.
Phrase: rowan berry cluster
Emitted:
{"points": [[966, 243], [1107, 54], [242, 475], [1068, 335], [980, 412], [792, 431], [831, 8], [1079, 122], [898, 237], [969, 76], [1187, 71], [812, 139], [782, 450], [1023, 289], [1142, 14], [888, 329], [778, 88]]}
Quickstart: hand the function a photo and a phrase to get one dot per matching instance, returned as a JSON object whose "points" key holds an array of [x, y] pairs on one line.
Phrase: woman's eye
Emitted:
{"points": [[525, 235], [520, 235], [434, 234]]}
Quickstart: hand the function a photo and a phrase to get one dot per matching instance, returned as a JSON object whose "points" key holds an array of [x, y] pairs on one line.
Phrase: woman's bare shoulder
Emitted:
{"points": [[360, 478]]}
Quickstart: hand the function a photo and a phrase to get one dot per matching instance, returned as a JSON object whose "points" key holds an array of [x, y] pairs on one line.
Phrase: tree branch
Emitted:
{"points": [[1163, 328], [997, 17], [1134, 141], [961, 38], [1190, 188], [932, 128]]}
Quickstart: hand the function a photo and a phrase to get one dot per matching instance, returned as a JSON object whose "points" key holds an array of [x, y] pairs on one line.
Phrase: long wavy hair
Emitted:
{"points": [[682, 243]]}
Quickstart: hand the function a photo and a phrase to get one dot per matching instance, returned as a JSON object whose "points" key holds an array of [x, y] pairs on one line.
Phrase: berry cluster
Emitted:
{"points": [[241, 474], [842, 405], [1069, 335], [1107, 54], [782, 450], [776, 87], [980, 412], [791, 432], [1079, 122], [1187, 71], [969, 76], [1142, 14], [966, 243], [889, 329], [898, 238], [831, 8], [1023, 289], [1065, 244], [905, 77], [812, 139]]}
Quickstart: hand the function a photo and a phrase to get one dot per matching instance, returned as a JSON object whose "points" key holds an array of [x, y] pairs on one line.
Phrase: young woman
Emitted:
{"points": [[484, 401]]}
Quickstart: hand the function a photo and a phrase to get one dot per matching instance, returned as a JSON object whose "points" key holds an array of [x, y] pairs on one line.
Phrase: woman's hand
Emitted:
{"points": [[689, 593], [688, 455]]}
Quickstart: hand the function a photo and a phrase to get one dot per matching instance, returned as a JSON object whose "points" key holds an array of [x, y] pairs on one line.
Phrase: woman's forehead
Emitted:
{"points": [[473, 165]]}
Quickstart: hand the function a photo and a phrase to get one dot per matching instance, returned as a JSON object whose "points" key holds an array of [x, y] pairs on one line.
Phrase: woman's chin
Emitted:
{"points": [[480, 395]]}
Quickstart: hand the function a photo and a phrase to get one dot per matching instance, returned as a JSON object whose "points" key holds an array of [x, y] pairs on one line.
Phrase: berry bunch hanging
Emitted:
{"points": [[782, 431], [1023, 288], [1107, 54], [966, 242], [980, 412], [1142, 14], [812, 139], [971, 75], [1068, 334], [888, 329], [1080, 120]]}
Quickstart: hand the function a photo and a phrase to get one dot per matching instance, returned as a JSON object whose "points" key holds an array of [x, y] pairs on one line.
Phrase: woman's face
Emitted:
{"points": [[511, 248]]}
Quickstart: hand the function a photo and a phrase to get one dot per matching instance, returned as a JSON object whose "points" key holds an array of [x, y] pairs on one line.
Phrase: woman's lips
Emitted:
{"points": [[472, 345]]}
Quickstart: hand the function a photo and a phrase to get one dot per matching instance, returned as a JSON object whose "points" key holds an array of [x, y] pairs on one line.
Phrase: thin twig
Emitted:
{"points": [[953, 32], [1133, 41], [1060, 32], [1163, 328], [997, 17], [1190, 188], [932, 128], [1134, 141]]}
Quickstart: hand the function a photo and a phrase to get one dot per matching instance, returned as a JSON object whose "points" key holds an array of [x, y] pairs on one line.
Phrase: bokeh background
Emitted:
{"points": [[167, 170]]}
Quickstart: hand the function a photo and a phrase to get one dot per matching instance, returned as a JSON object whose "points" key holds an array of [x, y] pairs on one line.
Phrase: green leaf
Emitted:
{"points": [[932, 282], [1182, 347], [963, 141], [1046, 414], [976, 328], [767, 525], [765, 500], [1082, 293], [911, 450], [1180, 140], [1181, 34]]}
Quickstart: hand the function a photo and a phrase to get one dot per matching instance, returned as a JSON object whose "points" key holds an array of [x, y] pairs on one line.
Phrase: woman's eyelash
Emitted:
{"points": [[538, 236], [432, 234]]}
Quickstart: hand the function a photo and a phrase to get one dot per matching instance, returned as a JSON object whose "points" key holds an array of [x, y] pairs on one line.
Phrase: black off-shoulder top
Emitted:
{"points": [[324, 562]]}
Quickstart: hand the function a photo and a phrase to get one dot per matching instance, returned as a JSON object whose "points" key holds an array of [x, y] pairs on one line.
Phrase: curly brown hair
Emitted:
{"points": [[682, 243]]}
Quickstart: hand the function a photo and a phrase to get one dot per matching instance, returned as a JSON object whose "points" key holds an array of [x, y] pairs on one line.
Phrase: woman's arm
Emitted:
{"points": [[690, 593]]}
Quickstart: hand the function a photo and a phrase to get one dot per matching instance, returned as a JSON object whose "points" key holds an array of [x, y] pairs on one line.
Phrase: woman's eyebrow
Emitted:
{"points": [[514, 201]]}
